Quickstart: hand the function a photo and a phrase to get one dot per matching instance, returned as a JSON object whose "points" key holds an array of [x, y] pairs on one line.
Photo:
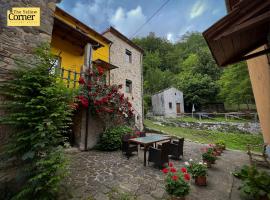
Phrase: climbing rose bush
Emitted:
{"points": [[176, 181], [103, 99]]}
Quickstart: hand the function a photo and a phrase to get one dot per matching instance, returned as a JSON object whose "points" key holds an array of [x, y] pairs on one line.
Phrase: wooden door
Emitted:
{"points": [[178, 109]]}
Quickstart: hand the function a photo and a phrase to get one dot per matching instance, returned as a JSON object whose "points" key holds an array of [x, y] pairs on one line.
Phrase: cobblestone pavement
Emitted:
{"points": [[97, 175]]}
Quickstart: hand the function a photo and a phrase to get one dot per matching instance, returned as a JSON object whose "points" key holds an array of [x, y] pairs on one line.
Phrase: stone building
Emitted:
{"points": [[127, 56], [168, 102], [16, 41]]}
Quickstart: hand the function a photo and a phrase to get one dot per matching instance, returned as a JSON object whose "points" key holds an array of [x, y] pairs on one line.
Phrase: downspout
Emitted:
{"points": [[110, 63], [88, 64]]}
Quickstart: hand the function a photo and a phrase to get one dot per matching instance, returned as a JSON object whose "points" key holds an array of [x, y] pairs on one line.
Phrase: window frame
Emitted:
{"points": [[128, 56], [128, 88]]}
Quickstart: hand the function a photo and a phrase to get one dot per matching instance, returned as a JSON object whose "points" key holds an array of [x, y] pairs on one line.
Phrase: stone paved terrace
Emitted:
{"points": [[97, 175]]}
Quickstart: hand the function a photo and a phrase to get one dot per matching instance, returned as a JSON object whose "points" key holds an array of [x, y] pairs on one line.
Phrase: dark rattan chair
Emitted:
{"points": [[127, 147], [159, 156], [176, 148]]}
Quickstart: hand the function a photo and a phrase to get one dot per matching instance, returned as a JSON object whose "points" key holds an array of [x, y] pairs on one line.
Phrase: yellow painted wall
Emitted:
{"points": [[102, 52], [259, 71]]}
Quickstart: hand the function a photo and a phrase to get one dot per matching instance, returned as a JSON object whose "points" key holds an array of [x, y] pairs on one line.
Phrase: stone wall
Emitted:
{"points": [[16, 42], [131, 71]]}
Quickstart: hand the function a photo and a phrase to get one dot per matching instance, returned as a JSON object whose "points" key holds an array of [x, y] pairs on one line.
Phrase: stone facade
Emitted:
{"points": [[19, 41], [168, 102], [127, 71]]}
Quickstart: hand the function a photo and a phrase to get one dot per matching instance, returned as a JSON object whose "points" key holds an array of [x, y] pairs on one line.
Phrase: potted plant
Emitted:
{"points": [[208, 156], [221, 145], [176, 182], [198, 171]]}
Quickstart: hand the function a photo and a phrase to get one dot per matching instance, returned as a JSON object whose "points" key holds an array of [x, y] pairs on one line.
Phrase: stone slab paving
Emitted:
{"points": [[97, 175]]}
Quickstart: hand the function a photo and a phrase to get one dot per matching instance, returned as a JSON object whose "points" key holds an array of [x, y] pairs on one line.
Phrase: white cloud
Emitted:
{"points": [[93, 13], [128, 22], [198, 9], [170, 37]]}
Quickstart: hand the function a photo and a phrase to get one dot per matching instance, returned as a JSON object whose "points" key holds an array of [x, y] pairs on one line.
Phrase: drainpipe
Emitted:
{"points": [[88, 66]]}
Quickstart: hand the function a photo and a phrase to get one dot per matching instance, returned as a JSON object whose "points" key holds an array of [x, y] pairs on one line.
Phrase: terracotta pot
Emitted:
{"points": [[177, 198], [200, 180]]}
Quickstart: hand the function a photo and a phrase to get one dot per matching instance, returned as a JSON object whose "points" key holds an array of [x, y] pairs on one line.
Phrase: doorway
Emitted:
{"points": [[178, 108]]}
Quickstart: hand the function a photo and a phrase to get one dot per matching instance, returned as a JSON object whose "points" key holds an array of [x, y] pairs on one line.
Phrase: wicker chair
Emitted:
{"points": [[159, 156], [127, 147], [258, 158], [176, 148]]}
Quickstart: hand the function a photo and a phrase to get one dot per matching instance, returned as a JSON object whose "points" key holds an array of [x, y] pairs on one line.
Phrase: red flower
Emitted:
{"points": [[184, 170], [81, 80], [170, 164], [173, 170], [165, 170], [187, 177], [84, 101], [174, 177], [100, 70]]}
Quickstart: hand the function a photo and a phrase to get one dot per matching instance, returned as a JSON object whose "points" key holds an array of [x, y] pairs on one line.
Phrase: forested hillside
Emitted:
{"points": [[189, 66]]}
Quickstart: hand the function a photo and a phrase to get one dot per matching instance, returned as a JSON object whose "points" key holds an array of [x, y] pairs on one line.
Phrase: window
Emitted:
{"points": [[170, 105], [128, 86], [128, 56]]}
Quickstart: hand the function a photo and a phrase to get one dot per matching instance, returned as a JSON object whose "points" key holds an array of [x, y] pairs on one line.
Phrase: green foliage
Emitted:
{"points": [[111, 138], [235, 86], [198, 89], [147, 103], [197, 169], [221, 144], [39, 113], [208, 155], [255, 184], [187, 65]]}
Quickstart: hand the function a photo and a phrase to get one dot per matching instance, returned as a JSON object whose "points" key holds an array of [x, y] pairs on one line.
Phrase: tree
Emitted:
{"points": [[38, 108], [198, 89], [235, 86]]}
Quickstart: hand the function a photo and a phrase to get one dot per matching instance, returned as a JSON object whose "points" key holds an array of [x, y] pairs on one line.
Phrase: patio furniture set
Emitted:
{"points": [[159, 147]]}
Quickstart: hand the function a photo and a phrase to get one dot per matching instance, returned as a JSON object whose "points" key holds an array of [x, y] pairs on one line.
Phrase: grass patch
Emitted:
{"points": [[236, 141]]}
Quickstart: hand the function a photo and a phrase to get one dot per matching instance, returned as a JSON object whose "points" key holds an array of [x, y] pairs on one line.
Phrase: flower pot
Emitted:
{"points": [[177, 198], [213, 162], [200, 180], [208, 163]]}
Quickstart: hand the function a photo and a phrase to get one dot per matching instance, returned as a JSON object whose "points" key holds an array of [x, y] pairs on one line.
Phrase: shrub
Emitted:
{"points": [[255, 184], [111, 138], [39, 112], [208, 155]]}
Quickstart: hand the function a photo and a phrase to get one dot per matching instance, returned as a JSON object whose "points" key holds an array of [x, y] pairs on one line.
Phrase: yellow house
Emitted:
{"points": [[69, 40]]}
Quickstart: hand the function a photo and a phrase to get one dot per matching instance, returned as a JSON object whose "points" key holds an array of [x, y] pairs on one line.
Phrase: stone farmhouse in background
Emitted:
{"points": [[168, 102]]}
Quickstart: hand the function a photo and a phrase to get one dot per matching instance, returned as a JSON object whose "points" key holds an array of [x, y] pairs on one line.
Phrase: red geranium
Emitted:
{"points": [[170, 164], [81, 81], [165, 170], [187, 177], [174, 177], [84, 101], [173, 170], [184, 170], [100, 70]]}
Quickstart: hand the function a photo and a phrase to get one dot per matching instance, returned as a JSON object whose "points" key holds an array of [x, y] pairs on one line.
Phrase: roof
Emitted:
{"points": [[165, 90], [104, 64], [123, 37], [230, 4], [69, 33], [243, 30], [81, 24]]}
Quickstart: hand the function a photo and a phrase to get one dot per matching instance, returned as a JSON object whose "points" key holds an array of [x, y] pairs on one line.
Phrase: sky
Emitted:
{"points": [[175, 19]]}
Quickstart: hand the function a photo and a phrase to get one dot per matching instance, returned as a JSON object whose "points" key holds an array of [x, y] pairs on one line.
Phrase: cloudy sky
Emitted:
{"points": [[173, 20]]}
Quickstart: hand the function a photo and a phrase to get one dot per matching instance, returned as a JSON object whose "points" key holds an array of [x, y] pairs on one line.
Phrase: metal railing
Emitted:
{"points": [[71, 78]]}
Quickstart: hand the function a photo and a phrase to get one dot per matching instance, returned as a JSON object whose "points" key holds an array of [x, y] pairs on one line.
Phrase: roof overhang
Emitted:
{"points": [[73, 35], [243, 30], [104, 64]]}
